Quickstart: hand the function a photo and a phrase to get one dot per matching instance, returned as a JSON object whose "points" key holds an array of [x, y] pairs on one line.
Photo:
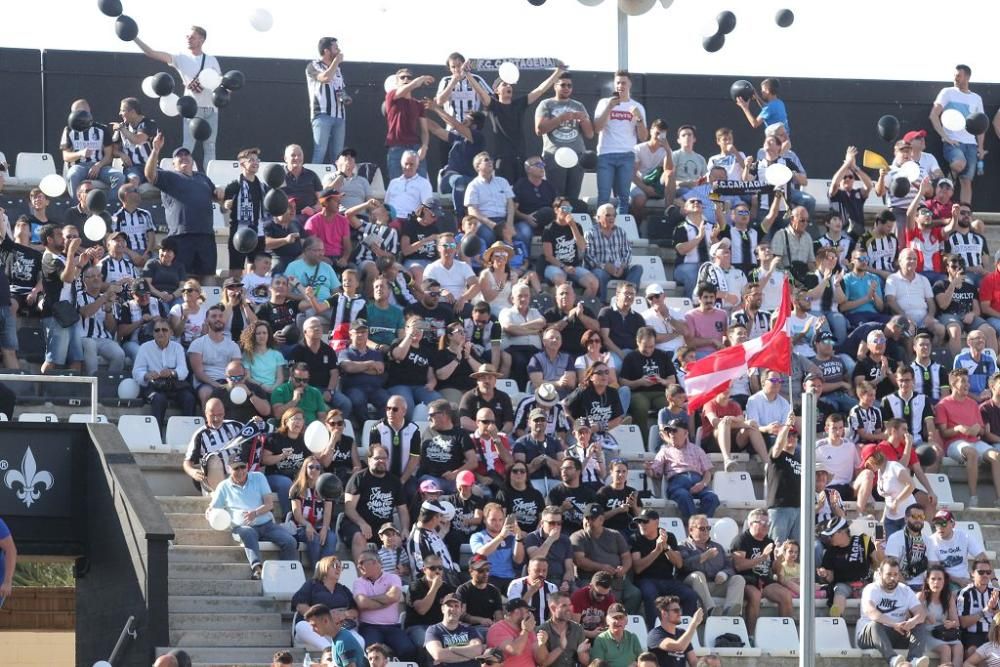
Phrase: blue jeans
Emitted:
{"points": [[63, 345], [394, 636], [487, 235], [614, 170], [340, 401], [360, 397], [553, 273], [414, 395], [965, 152], [679, 491], [784, 523], [328, 138], [211, 115], [280, 485], [837, 323], [841, 400], [78, 173], [654, 588], [135, 173], [686, 276], [393, 156], [288, 547], [314, 548], [632, 275], [893, 525]]}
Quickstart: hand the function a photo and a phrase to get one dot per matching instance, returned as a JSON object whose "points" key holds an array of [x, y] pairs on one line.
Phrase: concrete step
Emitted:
{"points": [[202, 571], [181, 603], [221, 621], [185, 504], [186, 520], [203, 537], [207, 554], [215, 587], [247, 635], [243, 655]]}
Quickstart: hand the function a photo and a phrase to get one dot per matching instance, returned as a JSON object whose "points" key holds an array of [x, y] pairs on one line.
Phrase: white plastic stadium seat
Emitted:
{"points": [[508, 386], [674, 525], [865, 526], [680, 303], [640, 305], [941, 488], [420, 412], [212, 294], [180, 429], [695, 642], [321, 170], [37, 417], [588, 188], [720, 625], [141, 433], [976, 531], [281, 578], [637, 626], [724, 531], [776, 636], [218, 217], [735, 489], [3, 416], [584, 221], [84, 418], [348, 573], [378, 185], [652, 271], [366, 438], [31, 168], [629, 440], [627, 222], [833, 640], [222, 172]]}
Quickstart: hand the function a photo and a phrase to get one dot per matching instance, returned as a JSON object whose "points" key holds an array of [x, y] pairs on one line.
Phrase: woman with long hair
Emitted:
{"points": [[591, 342], [261, 357], [187, 318], [324, 588], [455, 363], [237, 308], [341, 456], [988, 653], [496, 279], [595, 400], [942, 612], [283, 454], [520, 498], [312, 513]]}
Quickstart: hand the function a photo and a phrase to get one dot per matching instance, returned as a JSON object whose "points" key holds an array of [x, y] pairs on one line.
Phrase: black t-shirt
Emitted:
{"points": [[461, 378], [573, 332], [289, 251], [436, 318], [303, 187], [52, 268], [752, 547], [444, 451], [661, 567], [289, 467], [783, 478], [164, 278], [279, 315], [244, 411], [563, 244], [23, 266], [621, 328], [500, 404], [612, 498], [851, 206], [416, 232], [464, 509], [531, 197], [508, 130], [482, 602], [377, 496], [320, 363], [869, 370], [667, 658], [412, 369], [342, 454], [585, 402], [526, 505], [579, 498], [658, 364], [962, 299], [256, 191], [532, 449], [850, 563], [418, 591]]}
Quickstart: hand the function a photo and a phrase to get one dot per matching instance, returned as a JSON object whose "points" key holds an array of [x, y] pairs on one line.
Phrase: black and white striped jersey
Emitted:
{"points": [[325, 97], [93, 326], [970, 246], [463, 98], [135, 224], [869, 419], [114, 270], [930, 380], [972, 602], [207, 440], [402, 444], [139, 153], [377, 236], [97, 140], [760, 324], [881, 251]]}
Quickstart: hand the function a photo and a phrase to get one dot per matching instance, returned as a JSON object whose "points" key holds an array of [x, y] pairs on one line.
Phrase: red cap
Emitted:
{"points": [[913, 134]]}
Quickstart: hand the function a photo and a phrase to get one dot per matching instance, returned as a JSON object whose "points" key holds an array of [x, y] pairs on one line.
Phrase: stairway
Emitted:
{"points": [[217, 614]]}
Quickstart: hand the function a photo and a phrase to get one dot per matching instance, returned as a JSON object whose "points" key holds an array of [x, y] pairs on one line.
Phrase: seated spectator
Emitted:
{"points": [[483, 601], [709, 569], [620, 501], [449, 641], [329, 625], [324, 372], [379, 597], [646, 371], [561, 641], [955, 548], [728, 280], [770, 276], [468, 513], [706, 324], [570, 496], [653, 171], [918, 413], [595, 401], [206, 460], [963, 239], [756, 321], [981, 364], [522, 325], [514, 635], [448, 451], [363, 373], [401, 438], [298, 393], [341, 309], [839, 455], [210, 354], [310, 270], [883, 600], [502, 543], [88, 154], [280, 312], [493, 452], [846, 563], [418, 238], [616, 646], [728, 429], [409, 190], [668, 643], [938, 598], [266, 365], [563, 250], [864, 421], [283, 456], [519, 498], [881, 245], [538, 449], [826, 298], [591, 602], [874, 361], [957, 302], [312, 513], [497, 278], [767, 408], [926, 240], [609, 252], [134, 317], [687, 470], [341, 455], [657, 562], [370, 498], [753, 558], [837, 389], [490, 199], [552, 365], [427, 602], [977, 605], [117, 265], [246, 494], [908, 293], [592, 354], [551, 543], [863, 290], [457, 279], [667, 324], [589, 453], [961, 425], [911, 548], [324, 588], [600, 549], [257, 403], [690, 166], [238, 310], [729, 156], [283, 234], [620, 323], [534, 588], [161, 370], [410, 370], [486, 395], [533, 195]]}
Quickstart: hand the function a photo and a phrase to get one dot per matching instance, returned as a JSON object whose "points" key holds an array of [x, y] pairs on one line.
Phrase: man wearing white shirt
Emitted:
{"points": [[962, 149], [928, 163], [454, 276], [490, 199], [189, 66], [768, 408], [892, 617], [408, 191], [955, 548], [909, 293], [669, 326], [621, 123], [161, 370], [839, 455]]}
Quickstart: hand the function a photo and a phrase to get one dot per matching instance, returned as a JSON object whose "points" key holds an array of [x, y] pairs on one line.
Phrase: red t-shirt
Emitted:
{"points": [[934, 245], [729, 409], [889, 452], [989, 289], [951, 411], [592, 612], [402, 116], [939, 210]]}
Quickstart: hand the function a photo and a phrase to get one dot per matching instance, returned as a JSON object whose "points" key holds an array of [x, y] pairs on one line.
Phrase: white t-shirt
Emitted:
{"points": [[215, 356], [895, 546], [968, 103], [646, 159], [192, 328], [953, 554], [896, 605], [660, 326], [509, 316], [889, 486], [841, 460], [928, 163], [910, 295], [734, 172], [188, 67], [452, 279], [619, 134], [407, 194]]}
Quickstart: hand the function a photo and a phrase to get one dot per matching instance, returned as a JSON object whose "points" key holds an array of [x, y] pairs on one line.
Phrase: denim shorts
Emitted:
{"points": [[968, 152], [8, 327]]}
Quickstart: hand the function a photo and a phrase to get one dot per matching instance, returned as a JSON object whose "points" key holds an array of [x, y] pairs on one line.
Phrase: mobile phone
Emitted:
{"points": [[879, 532]]}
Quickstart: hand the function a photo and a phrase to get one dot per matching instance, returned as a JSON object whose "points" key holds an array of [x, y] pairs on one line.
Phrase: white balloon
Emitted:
{"points": [[219, 519], [238, 395], [317, 437], [390, 83], [777, 174], [636, 7], [128, 388], [209, 79], [566, 157], [911, 170], [509, 73], [666, 3], [590, 3], [147, 88], [449, 510], [95, 229], [168, 105], [261, 20], [953, 120], [102, 663], [53, 185]]}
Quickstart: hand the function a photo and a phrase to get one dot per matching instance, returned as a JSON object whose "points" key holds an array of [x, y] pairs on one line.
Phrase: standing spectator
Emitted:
{"points": [[687, 470], [609, 253], [962, 427], [561, 122], [8, 561], [621, 123], [457, 92], [784, 474], [370, 498], [709, 569], [95, 303], [978, 604], [690, 166], [892, 617], [671, 644], [658, 563], [189, 66], [407, 128], [971, 246], [133, 136], [753, 558], [564, 248], [327, 101], [379, 596], [894, 484], [244, 199], [616, 646], [600, 549], [846, 200], [60, 266], [88, 153], [772, 108], [962, 149], [161, 370]]}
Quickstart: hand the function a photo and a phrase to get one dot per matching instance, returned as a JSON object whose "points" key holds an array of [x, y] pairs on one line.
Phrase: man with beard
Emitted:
{"points": [[550, 542], [571, 318], [209, 354], [562, 636], [539, 450], [448, 450], [753, 557], [892, 617], [571, 497], [909, 546], [449, 641], [324, 372], [670, 643], [436, 315], [487, 396], [657, 563], [483, 330], [483, 601], [370, 498], [600, 549]]}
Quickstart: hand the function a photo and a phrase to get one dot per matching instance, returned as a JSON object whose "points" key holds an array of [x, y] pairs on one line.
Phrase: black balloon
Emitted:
{"points": [[187, 106], [741, 89], [888, 127], [163, 84], [112, 8], [220, 97], [200, 129], [900, 187], [714, 43], [97, 200], [544, 216], [291, 334], [588, 160], [276, 202], [233, 80], [472, 245], [537, 3], [80, 120], [328, 486], [784, 18], [977, 123], [245, 240], [927, 456], [126, 28], [274, 175], [726, 21]]}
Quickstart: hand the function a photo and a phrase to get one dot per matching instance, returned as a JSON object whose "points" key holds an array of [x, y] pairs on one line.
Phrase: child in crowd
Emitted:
{"points": [[257, 279], [864, 421], [470, 224], [786, 566], [393, 556], [375, 238], [685, 355]]}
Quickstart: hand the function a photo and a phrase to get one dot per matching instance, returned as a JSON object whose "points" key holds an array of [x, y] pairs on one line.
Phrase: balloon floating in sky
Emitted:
{"points": [[714, 42], [888, 127], [726, 21], [126, 28], [784, 18], [261, 20], [112, 8]]}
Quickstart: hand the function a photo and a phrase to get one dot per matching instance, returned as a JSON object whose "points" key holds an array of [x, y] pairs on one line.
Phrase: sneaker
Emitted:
{"points": [[973, 501], [736, 610], [835, 611], [730, 465], [922, 661], [255, 571]]}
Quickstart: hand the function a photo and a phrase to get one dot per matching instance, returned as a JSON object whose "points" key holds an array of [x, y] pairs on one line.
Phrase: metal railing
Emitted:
{"points": [[72, 379]]}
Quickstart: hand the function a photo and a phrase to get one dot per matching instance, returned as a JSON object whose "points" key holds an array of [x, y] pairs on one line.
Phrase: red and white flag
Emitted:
{"points": [[710, 376]]}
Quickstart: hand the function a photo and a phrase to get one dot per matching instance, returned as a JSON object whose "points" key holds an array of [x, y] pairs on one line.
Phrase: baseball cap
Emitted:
{"points": [[431, 204], [812, 376], [719, 245], [359, 324], [903, 323], [616, 610], [914, 134], [430, 486], [478, 561], [180, 150], [450, 597], [593, 511], [140, 288], [943, 516], [654, 289], [834, 525], [647, 515], [326, 193], [675, 424], [537, 413], [464, 478], [387, 527], [431, 506], [514, 604], [581, 423], [946, 181], [232, 282], [826, 337]]}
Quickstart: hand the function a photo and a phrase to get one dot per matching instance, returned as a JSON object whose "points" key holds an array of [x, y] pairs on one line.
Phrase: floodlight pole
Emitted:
{"points": [[807, 523], [622, 39]]}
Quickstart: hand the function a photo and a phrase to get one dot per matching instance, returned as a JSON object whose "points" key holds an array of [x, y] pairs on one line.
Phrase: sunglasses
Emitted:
{"points": [[519, 471], [393, 408], [699, 527], [450, 246], [300, 380], [486, 421], [314, 467], [161, 330], [985, 573], [604, 372], [336, 423], [188, 290], [434, 294]]}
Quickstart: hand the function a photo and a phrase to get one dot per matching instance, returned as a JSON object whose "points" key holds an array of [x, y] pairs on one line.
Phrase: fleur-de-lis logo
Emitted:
{"points": [[29, 482]]}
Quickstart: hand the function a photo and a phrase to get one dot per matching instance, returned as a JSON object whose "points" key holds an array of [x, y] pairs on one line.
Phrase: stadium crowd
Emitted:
{"points": [[377, 312]]}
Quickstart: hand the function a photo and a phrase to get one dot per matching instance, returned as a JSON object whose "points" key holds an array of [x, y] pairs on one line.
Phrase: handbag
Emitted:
{"points": [[65, 313], [728, 640], [944, 634]]}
